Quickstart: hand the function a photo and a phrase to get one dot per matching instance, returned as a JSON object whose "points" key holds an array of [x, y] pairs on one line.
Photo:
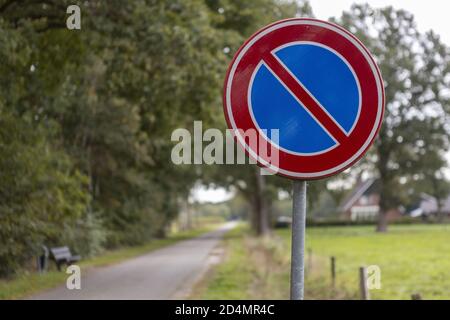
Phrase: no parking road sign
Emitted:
{"points": [[317, 84]]}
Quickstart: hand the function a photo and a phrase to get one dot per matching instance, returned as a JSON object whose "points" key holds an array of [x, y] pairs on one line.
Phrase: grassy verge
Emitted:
{"points": [[27, 283], [412, 259], [251, 269]]}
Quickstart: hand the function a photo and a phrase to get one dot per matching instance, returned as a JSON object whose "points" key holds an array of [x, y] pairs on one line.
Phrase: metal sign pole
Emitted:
{"points": [[298, 240]]}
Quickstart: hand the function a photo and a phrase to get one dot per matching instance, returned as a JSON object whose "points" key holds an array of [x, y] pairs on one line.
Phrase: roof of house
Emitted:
{"points": [[427, 204], [360, 189]]}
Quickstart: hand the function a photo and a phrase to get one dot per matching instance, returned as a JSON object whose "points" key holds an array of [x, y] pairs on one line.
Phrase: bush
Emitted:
{"points": [[41, 195]]}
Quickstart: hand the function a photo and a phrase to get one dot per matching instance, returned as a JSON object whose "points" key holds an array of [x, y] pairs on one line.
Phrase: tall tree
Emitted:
{"points": [[99, 105], [43, 195], [415, 69], [237, 20]]}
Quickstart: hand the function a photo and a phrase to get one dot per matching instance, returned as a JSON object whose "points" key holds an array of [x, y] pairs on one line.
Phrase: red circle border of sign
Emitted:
{"points": [[338, 39]]}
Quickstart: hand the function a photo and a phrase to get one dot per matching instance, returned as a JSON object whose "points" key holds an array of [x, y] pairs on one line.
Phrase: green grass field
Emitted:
{"points": [[412, 259]]}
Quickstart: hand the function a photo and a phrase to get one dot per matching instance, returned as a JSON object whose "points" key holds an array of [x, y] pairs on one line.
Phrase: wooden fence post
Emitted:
{"points": [[416, 296], [333, 272], [365, 294]]}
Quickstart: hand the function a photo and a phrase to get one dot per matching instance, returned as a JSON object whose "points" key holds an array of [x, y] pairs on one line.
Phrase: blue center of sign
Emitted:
{"points": [[329, 80]]}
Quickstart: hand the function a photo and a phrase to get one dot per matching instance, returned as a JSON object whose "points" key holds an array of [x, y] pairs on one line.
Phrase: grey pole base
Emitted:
{"points": [[298, 240]]}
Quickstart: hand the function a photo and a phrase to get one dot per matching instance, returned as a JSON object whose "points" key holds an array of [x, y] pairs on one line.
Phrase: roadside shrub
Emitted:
{"points": [[41, 195]]}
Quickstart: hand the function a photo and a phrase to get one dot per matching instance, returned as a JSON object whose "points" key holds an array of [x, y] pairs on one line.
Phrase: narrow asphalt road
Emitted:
{"points": [[161, 274]]}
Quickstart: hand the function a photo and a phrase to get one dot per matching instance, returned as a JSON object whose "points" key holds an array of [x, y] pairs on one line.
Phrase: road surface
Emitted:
{"points": [[161, 274]]}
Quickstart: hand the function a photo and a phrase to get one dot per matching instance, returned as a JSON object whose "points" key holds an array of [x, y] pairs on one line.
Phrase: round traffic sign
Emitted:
{"points": [[317, 84]]}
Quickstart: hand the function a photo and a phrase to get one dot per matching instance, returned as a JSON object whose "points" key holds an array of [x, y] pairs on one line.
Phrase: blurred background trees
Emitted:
{"points": [[86, 116], [414, 136]]}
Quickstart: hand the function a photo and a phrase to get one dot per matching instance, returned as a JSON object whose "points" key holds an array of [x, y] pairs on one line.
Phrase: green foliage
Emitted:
{"points": [[41, 193], [87, 116]]}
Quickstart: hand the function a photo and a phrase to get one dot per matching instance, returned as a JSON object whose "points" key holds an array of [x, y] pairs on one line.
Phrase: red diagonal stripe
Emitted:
{"points": [[306, 99]]}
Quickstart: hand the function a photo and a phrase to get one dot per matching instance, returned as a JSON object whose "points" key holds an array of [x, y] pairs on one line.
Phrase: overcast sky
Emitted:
{"points": [[429, 14]]}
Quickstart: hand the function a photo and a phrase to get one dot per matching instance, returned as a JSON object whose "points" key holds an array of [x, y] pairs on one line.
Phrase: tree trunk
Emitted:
{"points": [[260, 219], [254, 214], [384, 179], [440, 213], [382, 221]]}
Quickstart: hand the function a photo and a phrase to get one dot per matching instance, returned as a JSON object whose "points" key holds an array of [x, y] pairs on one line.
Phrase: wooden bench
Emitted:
{"points": [[62, 255]]}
